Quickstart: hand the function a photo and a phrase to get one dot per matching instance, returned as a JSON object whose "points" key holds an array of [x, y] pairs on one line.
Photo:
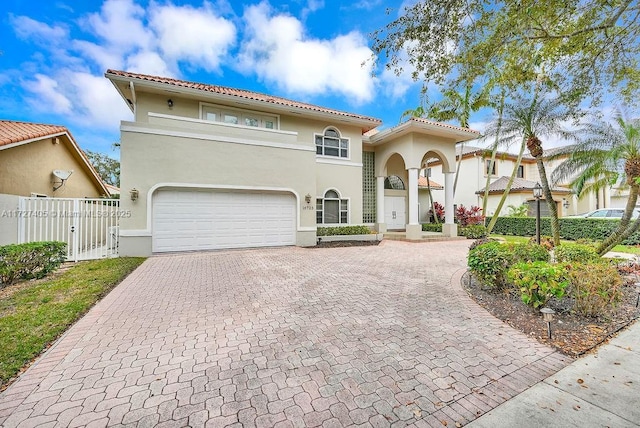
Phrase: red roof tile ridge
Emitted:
{"points": [[224, 90], [12, 131], [444, 125]]}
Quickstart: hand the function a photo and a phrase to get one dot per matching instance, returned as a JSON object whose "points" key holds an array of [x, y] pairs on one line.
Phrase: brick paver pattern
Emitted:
{"points": [[288, 337]]}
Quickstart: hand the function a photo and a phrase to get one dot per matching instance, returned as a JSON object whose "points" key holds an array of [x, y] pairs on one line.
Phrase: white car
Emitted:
{"points": [[606, 213]]}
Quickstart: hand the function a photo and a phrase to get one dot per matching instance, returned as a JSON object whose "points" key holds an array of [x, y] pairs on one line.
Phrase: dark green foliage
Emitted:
{"points": [[529, 252], [539, 281], [595, 288], [432, 227], [490, 262], [31, 260], [570, 228], [474, 231], [343, 230], [575, 253]]}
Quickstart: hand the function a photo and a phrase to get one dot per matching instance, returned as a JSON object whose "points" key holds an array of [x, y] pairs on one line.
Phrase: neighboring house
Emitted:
{"points": [[474, 169], [206, 166], [34, 159]]}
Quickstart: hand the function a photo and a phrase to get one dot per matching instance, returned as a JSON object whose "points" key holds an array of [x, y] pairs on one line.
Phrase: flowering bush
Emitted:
{"points": [[466, 217]]}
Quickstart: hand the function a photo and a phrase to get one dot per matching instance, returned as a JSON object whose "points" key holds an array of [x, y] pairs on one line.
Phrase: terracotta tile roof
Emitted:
{"points": [[240, 93], [443, 125], [422, 182], [15, 132], [519, 184]]}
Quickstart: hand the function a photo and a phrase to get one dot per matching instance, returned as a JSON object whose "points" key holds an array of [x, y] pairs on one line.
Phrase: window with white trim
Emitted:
{"points": [[239, 117], [332, 144], [331, 209]]}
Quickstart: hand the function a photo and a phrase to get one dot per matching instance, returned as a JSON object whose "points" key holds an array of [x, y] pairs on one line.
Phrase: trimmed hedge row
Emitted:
{"points": [[31, 260], [570, 228], [343, 230]]}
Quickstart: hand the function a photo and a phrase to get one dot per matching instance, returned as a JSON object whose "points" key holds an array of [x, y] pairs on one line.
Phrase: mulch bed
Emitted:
{"points": [[572, 334], [334, 244]]}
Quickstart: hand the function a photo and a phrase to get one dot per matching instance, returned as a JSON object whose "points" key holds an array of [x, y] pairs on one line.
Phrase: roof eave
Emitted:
{"points": [[366, 124]]}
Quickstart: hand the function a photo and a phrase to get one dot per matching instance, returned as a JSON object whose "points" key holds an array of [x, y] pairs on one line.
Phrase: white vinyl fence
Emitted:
{"points": [[88, 226]]}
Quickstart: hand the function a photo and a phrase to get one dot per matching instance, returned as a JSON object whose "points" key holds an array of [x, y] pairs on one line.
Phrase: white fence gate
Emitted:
{"points": [[88, 226]]}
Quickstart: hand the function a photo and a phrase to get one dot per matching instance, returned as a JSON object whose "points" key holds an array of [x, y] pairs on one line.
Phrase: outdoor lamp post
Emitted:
{"points": [[537, 193], [547, 316]]}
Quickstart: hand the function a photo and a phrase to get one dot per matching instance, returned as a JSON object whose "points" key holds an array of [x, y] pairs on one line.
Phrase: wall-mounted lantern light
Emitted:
{"points": [[135, 194], [170, 103], [307, 198]]}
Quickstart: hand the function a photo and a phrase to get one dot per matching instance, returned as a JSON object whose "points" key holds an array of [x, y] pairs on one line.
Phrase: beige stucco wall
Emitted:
{"points": [[202, 160], [27, 169]]}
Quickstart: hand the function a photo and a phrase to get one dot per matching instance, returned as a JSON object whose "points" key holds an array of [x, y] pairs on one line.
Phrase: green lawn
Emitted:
{"points": [[523, 239], [35, 313]]}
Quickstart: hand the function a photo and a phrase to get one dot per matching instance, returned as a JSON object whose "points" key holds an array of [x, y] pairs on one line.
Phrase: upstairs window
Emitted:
{"points": [[332, 144], [520, 171], [239, 117], [487, 164]]}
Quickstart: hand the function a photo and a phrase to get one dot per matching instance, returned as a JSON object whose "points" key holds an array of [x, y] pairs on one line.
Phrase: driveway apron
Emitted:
{"points": [[373, 336]]}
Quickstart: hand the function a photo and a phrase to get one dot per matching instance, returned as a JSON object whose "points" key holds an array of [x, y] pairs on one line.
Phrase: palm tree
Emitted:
{"points": [[541, 117], [609, 154], [456, 106]]}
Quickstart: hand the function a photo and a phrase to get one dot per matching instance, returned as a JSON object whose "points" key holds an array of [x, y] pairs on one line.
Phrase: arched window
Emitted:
{"points": [[393, 182], [332, 144], [331, 209]]}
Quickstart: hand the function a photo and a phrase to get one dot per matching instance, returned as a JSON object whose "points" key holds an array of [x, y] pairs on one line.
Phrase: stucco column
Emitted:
{"points": [[413, 229], [449, 228], [381, 226]]}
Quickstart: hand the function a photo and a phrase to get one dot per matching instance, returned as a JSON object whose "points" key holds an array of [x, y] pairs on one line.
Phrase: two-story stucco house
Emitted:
{"points": [[207, 167]]}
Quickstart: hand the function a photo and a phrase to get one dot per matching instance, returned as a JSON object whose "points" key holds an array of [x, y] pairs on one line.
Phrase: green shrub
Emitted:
{"points": [[489, 263], [571, 229], [31, 260], [343, 230], [528, 252], [474, 231], [595, 288], [538, 282], [575, 253], [481, 241], [432, 227]]}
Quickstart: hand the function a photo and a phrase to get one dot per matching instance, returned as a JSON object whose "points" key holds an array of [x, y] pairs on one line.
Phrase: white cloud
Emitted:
{"points": [[197, 36], [97, 102], [148, 63], [277, 50], [49, 95], [30, 29], [120, 24]]}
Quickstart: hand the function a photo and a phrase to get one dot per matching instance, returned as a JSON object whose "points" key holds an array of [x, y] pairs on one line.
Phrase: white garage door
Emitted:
{"points": [[185, 220]]}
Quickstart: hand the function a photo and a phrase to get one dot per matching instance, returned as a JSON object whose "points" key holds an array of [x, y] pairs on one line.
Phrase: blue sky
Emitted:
{"points": [[55, 53]]}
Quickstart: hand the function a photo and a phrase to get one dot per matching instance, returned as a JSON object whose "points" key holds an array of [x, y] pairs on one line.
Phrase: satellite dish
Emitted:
{"points": [[62, 174]]}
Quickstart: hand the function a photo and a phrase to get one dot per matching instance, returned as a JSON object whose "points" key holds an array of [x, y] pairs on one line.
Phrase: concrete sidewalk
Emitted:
{"points": [[598, 390]]}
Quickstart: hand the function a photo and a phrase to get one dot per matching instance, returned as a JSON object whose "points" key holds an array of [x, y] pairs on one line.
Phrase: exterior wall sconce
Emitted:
{"points": [[170, 103], [547, 316], [565, 203], [135, 194], [307, 198]]}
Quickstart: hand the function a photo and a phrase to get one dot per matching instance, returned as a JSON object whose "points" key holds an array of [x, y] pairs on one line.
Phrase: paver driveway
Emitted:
{"points": [[283, 337]]}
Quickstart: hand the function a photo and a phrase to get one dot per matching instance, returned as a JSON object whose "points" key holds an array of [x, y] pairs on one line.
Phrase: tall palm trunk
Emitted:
{"points": [[433, 206], [624, 230], [507, 189], [553, 208], [494, 151]]}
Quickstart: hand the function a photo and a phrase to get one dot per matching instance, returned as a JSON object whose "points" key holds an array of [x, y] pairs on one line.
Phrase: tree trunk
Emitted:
{"points": [[455, 180], [624, 230], [553, 208], [494, 151], [507, 189]]}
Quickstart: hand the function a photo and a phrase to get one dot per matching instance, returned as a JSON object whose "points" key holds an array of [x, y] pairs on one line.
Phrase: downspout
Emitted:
{"points": [[133, 96]]}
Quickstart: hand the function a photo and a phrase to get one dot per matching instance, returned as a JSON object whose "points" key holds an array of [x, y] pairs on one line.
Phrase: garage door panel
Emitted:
{"points": [[198, 220]]}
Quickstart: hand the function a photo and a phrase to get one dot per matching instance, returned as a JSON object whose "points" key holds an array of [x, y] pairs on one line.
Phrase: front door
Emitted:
{"points": [[395, 215]]}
